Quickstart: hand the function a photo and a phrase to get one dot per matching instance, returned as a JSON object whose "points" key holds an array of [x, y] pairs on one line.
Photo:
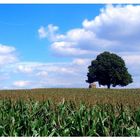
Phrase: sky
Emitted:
{"points": [[52, 45]]}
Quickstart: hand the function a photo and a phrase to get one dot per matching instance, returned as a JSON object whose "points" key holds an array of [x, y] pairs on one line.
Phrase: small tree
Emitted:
{"points": [[108, 69]]}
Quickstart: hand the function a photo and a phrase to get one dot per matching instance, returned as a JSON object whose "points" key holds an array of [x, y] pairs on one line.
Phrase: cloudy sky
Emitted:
{"points": [[52, 45]]}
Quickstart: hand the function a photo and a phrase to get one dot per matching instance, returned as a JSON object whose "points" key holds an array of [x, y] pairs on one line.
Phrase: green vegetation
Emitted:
{"points": [[70, 112]]}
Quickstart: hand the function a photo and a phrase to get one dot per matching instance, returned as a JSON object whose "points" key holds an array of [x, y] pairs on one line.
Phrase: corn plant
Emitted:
{"points": [[46, 118]]}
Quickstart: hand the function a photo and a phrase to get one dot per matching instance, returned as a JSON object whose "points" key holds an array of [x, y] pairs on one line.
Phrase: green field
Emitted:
{"points": [[70, 112]]}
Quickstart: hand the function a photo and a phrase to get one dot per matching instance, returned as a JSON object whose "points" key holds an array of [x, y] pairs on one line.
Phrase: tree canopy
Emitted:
{"points": [[108, 69]]}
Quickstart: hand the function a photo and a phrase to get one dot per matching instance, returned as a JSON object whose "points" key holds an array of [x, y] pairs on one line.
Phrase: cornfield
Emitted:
{"points": [[70, 112]]}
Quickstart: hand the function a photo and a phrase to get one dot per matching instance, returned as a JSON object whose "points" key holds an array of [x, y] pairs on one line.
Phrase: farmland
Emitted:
{"points": [[70, 112], [88, 96]]}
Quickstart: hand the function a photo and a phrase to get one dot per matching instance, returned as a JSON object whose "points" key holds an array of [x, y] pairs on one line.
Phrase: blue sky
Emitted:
{"points": [[19, 25], [52, 45]]}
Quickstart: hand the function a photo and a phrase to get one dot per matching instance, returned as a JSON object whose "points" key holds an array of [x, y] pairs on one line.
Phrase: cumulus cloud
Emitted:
{"points": [[119, 24], [42, 32], [7, 54], [68, 49], [50, 32], [79, 42], [115, 21], [115, 29]]}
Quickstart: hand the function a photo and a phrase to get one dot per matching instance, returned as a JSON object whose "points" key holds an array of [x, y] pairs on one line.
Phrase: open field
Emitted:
{"points": [[70, 112], [88, 96]]}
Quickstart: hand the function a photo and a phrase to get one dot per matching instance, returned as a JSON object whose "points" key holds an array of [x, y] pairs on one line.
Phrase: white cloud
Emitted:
{"points": [[81, 61], [43, 69], [119, 24], [133, 64], [21, 84], [42, 74], [122, 20], [70, 74], [24, 68], [6, 49], [50, 32], [115, 29], [132, 59], [7, 54], [69, 49], [80, 42], [42, 32], [6, 59]]}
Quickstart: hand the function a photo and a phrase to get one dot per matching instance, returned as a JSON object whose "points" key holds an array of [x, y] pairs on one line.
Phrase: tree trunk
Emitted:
{"points": [[108, 86]]}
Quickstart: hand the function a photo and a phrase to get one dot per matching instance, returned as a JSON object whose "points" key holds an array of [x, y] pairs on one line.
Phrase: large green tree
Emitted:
{"points": [[108, 69]]}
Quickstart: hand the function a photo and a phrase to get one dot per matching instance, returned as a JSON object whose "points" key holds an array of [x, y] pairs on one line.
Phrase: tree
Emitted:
{"points": [[108, 69]]}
